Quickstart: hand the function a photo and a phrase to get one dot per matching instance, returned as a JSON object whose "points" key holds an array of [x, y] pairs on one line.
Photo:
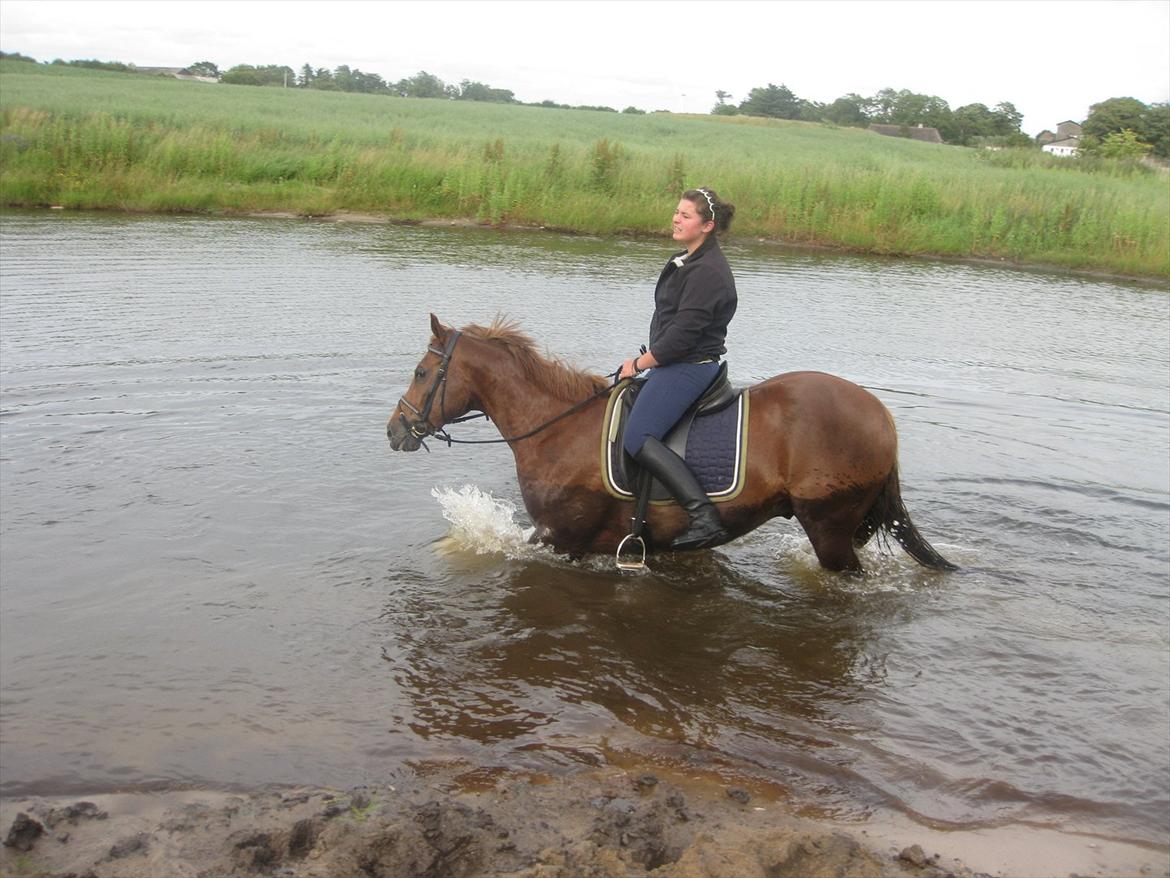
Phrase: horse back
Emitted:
{"points": [[821, 433]]}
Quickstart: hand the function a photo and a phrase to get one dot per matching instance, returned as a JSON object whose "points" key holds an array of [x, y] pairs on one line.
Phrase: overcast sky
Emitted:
{"points": [[1051, 58]]}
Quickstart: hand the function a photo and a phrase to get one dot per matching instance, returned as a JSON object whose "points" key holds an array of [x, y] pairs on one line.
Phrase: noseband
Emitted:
{"points": [[422, 426]]}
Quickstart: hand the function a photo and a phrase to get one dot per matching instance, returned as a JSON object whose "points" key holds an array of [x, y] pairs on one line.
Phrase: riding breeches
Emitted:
{"points": [[668, 392]]}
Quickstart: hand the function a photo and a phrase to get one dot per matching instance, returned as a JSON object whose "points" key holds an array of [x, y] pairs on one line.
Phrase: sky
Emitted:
{"points": [[1052, 59]]}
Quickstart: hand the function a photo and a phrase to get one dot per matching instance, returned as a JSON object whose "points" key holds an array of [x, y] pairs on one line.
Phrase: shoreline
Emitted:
{"points": [[447, 820], [342, 216]]}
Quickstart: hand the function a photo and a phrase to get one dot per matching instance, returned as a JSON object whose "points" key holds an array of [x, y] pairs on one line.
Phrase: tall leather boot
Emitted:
{"points": [[705, 527]]}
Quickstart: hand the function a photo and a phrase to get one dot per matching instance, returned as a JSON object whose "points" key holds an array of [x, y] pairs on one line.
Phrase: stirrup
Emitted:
{"points": [[633, 564]]}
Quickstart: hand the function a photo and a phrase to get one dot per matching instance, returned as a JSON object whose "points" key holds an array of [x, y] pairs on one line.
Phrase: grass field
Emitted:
{"points": [[91, 139]]}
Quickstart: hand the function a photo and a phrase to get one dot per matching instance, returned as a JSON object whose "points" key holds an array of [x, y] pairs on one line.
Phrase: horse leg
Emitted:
{"points": [[830, 524]]}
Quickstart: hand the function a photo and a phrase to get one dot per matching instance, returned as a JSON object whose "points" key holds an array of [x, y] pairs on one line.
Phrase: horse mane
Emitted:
{"points": [[550, 373]]}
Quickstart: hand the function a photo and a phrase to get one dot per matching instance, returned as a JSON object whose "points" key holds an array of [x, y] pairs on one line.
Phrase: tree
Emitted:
{"points": [[1122, 144], [94, 64], [421, 85], [722, 108], [847, 110], [776, 101], [323, 80], [270, 74], [880, 107], [1115, 114], [305, 80], [16, 56], [1007, 118], [1156, 129], [367, 83], [204, 68], [343, 76], [971, 121], [909, 109], [478, 91]]}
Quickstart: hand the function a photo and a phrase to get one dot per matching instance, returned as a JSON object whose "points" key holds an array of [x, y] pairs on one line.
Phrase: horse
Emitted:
{"points": [[821, 449]]}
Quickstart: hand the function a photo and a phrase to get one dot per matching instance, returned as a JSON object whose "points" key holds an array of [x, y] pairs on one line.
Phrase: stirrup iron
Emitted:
{"points": [[634, 563]]}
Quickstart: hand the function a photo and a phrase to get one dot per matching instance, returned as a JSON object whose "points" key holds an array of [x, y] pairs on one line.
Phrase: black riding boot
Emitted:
{"points": [[705, 527]]}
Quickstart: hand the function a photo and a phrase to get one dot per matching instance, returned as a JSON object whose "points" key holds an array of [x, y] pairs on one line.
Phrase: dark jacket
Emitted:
{"points": [[692, 306]]}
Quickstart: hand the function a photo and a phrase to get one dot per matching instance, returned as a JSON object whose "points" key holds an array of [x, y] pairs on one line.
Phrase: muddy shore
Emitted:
{"points": [[448, 821]]}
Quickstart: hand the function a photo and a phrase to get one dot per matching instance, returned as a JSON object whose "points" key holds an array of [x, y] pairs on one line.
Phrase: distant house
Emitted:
{"points": [[918, 132], [176, 72], [1065, 142], [1068, 147]]}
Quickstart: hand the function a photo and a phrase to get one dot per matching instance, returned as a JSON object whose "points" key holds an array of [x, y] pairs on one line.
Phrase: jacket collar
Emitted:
{"points": [[681, 258]]}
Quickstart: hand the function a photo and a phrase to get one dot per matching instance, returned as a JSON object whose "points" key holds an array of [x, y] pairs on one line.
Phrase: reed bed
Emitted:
{"points": [[91, 139]]}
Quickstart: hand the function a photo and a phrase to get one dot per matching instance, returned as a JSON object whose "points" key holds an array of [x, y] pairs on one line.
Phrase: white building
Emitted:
{"points": [[1067, 147]]}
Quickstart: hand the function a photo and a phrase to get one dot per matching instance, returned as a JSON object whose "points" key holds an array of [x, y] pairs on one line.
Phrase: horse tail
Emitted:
{"points": [[888, 516]]}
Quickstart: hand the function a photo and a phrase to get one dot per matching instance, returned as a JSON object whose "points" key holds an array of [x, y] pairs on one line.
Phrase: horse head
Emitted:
{"points": [[436, 395]]}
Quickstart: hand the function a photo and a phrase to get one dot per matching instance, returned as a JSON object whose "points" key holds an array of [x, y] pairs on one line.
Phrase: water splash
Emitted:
{"points": [[482, 523]]}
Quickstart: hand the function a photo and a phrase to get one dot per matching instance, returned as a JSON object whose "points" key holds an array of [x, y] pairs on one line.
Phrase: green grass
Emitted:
{"points": [[90, 139]]}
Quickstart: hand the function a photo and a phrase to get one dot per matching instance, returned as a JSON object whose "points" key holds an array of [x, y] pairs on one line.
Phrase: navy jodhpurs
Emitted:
{"points": [[668, 392]]}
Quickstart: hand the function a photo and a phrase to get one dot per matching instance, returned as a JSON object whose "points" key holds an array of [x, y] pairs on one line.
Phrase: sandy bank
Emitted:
{"points": [[450, 822]]}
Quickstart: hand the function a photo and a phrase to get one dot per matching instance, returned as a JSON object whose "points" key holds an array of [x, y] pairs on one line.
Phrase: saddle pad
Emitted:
{"points": [[716, 448]]}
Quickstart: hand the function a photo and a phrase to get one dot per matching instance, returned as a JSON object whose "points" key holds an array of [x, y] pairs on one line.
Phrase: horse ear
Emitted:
{"points": [[438, 329]]}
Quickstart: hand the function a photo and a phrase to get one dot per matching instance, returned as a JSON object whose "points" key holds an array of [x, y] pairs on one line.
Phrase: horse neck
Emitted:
{"points": [[516, 403]]}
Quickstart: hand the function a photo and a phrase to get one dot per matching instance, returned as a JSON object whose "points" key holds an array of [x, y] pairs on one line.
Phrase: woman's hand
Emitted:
{"points": [[640, 363]]}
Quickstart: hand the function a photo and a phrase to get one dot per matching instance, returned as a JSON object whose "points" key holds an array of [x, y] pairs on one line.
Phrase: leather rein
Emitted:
{"points": [[422, 427]]}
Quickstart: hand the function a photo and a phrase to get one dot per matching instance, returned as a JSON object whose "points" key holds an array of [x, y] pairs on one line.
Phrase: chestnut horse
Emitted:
{"points": [[821, 449]]}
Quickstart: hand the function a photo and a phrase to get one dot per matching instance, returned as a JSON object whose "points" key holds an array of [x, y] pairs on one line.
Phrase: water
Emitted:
{"points": [[216, 573]]}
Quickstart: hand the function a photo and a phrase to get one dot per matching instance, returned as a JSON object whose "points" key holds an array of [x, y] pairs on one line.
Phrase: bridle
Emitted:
{"points": [[422, 427]]}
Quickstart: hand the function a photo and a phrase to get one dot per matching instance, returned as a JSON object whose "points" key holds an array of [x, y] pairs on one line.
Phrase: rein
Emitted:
{"points": [[422, 427]]}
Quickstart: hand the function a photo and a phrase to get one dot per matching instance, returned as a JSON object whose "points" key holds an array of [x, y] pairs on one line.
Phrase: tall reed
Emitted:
{"points": [[90, 139]]}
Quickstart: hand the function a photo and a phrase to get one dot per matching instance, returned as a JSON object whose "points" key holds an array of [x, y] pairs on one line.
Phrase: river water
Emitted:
{"points": [[216, 573]]}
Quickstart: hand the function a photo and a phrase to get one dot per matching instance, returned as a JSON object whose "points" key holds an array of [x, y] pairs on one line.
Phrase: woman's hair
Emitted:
{"points": [[711, 207]]}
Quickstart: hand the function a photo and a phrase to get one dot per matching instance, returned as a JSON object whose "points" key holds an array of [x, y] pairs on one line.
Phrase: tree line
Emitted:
{"points": [[343, 78], [1116, 128], [1121, 127], [969, 125], [351, 79]]}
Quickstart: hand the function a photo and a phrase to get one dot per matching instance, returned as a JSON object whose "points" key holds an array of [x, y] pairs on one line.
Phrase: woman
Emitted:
{"points": [[693, 303]]}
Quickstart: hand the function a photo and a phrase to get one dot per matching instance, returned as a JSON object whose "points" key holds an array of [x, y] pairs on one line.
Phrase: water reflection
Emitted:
{"points": [[695, 653]]}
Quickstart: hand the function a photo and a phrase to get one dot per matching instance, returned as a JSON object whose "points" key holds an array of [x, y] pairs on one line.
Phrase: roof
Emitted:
{"points": [[919, 132]]}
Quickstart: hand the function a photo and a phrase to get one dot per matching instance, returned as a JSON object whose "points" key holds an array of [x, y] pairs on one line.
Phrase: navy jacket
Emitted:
{"points": [[692, 306]]}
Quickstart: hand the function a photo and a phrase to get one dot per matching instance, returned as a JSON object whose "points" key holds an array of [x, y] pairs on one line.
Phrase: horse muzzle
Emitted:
{"points": [[402, 436]]}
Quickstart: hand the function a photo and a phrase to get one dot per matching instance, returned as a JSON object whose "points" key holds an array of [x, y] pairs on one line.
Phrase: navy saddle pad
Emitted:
{"points": [[711, 437]]}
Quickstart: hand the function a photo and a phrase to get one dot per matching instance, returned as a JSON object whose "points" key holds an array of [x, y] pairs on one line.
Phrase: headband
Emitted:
{"points": [[710, 203]]}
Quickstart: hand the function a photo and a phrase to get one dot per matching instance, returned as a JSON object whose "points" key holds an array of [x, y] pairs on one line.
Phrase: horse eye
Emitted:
{"points": [[420, 373]]}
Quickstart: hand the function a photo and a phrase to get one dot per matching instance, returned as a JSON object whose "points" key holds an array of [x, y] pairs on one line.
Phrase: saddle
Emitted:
{"points": [[711, 437]]}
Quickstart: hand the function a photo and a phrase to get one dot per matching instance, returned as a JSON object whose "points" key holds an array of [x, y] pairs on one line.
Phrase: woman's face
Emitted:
{"points": [[690, 229]]}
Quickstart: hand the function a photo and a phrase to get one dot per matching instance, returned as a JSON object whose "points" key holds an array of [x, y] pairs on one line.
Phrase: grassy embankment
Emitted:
{"points": [[89, 139]]}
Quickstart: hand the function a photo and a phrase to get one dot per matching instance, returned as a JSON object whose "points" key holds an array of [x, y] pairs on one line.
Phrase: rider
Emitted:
{"points": [[693, 303]]}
